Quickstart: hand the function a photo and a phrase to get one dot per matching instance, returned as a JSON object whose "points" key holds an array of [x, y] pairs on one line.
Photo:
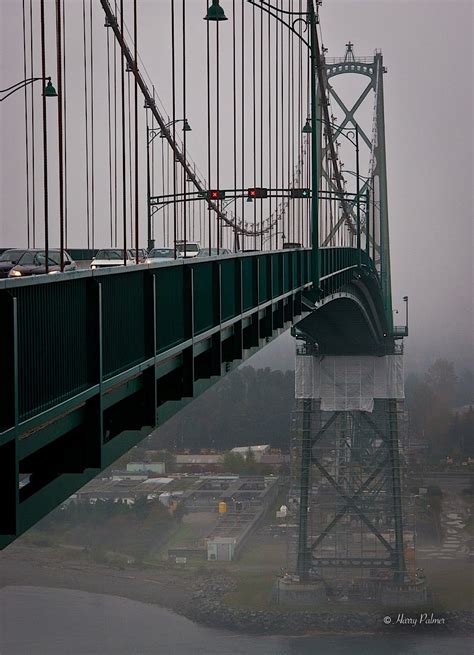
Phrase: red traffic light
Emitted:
{"points": [[257, 193], [215, 194]]}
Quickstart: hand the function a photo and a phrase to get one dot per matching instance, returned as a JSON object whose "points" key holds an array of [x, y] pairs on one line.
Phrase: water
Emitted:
{"points": [[41, 621]]}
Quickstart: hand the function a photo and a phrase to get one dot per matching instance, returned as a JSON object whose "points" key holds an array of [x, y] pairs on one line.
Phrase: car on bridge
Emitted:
{"points": [[33, 262], [157, 255], [8, 259], [188, 249], [114, 257], [214, 252]]}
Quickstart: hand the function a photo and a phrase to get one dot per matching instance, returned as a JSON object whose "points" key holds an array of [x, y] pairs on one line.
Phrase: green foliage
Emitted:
{"points": [[233, 463], [238, 464]]}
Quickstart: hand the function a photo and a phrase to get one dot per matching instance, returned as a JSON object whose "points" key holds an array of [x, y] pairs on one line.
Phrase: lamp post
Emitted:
{"points": [[405, 300], [49, 91], [152, 133]]}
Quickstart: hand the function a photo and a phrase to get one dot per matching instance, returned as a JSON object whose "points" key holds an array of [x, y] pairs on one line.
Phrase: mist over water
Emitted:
{"points": [[63, 622]]}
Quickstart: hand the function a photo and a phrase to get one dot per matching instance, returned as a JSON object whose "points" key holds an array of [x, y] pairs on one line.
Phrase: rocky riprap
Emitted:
{"points": [[205, 605]]}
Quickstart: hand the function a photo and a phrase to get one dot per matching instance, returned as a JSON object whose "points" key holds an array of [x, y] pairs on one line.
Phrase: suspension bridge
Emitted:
{"points": [[224, 126]]}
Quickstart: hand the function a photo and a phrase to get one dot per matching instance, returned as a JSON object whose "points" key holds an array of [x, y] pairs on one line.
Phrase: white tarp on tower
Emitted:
{"points": [[345, 383]]}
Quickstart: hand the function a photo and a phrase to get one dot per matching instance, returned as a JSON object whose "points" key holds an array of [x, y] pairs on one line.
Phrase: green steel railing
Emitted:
{"points": [[59, 325]]}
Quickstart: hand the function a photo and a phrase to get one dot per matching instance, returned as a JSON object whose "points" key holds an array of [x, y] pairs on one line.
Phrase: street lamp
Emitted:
{"points": [[186, 126], [49, 91], [215, 12]]}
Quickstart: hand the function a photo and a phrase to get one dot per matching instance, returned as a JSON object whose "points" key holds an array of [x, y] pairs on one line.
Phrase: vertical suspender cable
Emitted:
{"points": [[45, 142], [124, 185], [92, 127], [152, 181], [60, 131], [281, 131], [115, 142], [254, 127], [269, 124], [163, 182], [208, 68], [86, 103], [298, 123], [185, 217], [64, 75], [277, 125], [282, 100], [308, 150], [292, 128], [173, 84], [33, 148], [242, 163], [165, 235], [109, 138], [234, 101], [148, 185], [135, 56], [218, 227], [261, 126], [27, 149], [168, 188], [64, 94], [129, 134]]}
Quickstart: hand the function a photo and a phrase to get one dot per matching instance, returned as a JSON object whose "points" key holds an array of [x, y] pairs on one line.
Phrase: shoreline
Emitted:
{"points": [[199, 597]]}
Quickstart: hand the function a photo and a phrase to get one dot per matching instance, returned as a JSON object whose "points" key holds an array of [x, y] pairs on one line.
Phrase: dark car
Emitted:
{"points": [[8, 259], [33, 262]]}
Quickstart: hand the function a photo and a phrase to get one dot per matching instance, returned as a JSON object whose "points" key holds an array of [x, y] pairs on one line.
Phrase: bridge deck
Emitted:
{"points": [[93, 360]]}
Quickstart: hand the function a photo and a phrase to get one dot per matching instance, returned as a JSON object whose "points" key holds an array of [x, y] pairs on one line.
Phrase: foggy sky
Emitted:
{"points": [[428, 50]]}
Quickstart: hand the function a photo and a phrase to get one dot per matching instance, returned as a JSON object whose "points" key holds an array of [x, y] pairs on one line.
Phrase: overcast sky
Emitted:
{"points": [[428, 50]]}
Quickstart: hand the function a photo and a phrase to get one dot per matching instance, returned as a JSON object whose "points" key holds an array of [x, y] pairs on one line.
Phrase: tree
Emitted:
{"points": [[233, 463]]}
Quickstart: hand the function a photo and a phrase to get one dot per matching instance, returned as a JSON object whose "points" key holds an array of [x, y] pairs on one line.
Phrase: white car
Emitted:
{"points": [[162, 255], [112, 257], [192, 248]]}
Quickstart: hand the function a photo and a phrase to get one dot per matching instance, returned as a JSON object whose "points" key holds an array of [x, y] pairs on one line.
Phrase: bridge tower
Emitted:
{"points": [[349, 376]]}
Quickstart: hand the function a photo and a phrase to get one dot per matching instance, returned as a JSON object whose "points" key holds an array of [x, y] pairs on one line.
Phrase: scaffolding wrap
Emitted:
{"points": [[347, 383]]}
